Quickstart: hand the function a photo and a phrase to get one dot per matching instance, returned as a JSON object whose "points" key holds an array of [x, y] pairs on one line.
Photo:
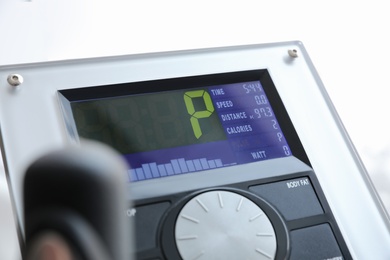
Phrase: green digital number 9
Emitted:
{"points": [[196, 115]]}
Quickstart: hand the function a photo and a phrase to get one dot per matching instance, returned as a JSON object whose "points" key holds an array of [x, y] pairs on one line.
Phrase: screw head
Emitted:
{"points": [[293, 53], [15, 79]]}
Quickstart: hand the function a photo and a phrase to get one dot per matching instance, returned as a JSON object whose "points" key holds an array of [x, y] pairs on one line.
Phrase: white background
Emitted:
{"points": [[347, 41]]}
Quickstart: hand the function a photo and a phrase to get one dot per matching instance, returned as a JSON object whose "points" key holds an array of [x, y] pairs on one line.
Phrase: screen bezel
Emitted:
{"points": [[67, 96]]}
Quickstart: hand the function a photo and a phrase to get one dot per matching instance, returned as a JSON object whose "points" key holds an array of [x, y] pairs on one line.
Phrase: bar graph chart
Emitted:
{"points": [[174, 167]]}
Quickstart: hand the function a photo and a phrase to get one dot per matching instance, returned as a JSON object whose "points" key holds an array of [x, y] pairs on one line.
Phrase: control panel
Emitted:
{"points": [[232, 153]]}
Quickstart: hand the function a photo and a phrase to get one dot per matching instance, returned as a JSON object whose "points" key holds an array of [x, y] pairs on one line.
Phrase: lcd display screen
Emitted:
{"points": [[181, 129]]}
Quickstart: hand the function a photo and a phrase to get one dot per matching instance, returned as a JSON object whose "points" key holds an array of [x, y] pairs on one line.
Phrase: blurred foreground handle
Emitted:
{"points": [[74, 204]]}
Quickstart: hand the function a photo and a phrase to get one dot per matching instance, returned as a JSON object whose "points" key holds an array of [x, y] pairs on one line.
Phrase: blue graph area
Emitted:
{"points": [[176, 166]]}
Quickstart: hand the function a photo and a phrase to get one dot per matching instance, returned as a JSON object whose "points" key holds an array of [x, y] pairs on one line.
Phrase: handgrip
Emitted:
{"points": [[77, 196]]}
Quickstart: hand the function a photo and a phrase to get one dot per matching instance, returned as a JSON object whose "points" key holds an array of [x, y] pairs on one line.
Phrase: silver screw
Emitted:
{"points": [[293, 53], [15, 79]]}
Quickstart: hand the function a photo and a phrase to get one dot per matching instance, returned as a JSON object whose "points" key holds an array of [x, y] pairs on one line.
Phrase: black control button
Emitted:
{"points": [[293, 198], [317, 242], [147, 219]]}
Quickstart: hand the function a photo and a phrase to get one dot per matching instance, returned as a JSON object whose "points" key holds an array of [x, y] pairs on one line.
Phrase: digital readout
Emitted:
{"points": [[180, 131]]}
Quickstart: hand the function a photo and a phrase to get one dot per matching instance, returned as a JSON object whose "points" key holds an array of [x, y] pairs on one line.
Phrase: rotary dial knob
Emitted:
{"points": [[224, 225]]}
